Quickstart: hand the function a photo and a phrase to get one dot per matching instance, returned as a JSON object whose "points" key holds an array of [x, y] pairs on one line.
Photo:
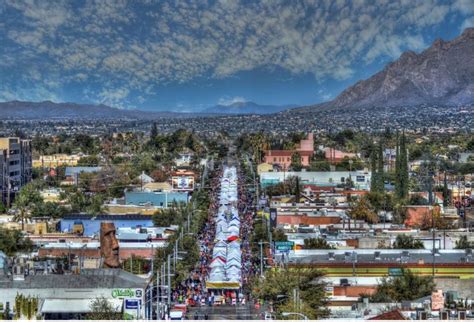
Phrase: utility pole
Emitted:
{"points": [[158, 294], [169, 282]]}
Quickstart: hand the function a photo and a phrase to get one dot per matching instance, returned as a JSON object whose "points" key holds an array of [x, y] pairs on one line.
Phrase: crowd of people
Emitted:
{"points": [[193, 290]]}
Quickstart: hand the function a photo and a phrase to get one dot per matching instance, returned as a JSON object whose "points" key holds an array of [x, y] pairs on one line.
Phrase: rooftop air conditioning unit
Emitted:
{"points": [[468, 252], [331, 256], [377, 255]]}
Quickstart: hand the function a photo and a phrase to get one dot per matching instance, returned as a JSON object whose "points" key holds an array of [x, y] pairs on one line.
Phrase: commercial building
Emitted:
{"points": [[15, 166], [63, 297], [56, 160], [156, 199], [90, 225], [360, 179], [282, 158]]}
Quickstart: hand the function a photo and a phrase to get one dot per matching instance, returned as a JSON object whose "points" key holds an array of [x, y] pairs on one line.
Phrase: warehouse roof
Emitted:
{"points": [[89, 278]]}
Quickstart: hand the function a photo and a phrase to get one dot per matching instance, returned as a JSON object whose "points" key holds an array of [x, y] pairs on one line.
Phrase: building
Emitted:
{"points": [[72, 173], [183, 180], [336, 156], [156, 199], [15, 166], [69, 296], [56, 160], [184, 158], [454, 264], [282, 158], [91, 224], [360, 179]]}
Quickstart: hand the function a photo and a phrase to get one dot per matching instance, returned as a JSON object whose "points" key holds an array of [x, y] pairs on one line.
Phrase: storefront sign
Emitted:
{"points": [[284, 245], [122, 293], [131, 304]]}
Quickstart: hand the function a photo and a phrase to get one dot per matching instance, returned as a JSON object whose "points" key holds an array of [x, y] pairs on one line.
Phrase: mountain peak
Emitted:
{"points": [[441, 74]]}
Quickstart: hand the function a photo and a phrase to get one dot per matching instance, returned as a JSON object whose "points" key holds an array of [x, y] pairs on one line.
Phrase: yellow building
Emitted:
{"points": [[264, 167], [56, 160]]}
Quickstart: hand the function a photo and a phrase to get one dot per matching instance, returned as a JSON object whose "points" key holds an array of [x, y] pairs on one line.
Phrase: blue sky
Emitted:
{"points": [[189, 55]]}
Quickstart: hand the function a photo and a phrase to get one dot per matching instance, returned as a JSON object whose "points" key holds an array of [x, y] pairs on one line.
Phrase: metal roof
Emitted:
{"points": [[89, 278]]}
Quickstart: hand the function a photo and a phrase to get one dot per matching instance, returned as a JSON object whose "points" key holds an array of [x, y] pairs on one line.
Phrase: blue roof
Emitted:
{"points": [[158, 199]]}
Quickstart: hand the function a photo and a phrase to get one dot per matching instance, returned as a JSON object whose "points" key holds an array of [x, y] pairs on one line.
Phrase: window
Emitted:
{"points": [[274, 159], [343, 179], [360, 179]]}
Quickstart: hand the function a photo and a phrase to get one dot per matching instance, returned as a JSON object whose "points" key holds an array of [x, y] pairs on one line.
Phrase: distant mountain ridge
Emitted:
{"points": [[50, 110], [73, 111], [443, 74], [246, 108]]}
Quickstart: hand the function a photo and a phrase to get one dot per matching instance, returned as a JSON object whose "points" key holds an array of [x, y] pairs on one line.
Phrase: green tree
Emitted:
{"points": [[401, 169], [317, 243], [102, 309], [380, 169], [27, 199], [278, 234], [463, 243], [49, 209], [153, 131], [407, 242], [405, 287], [279, 284], [89, 161], [13, 241], [363, 210], [296, 161], [373, 168]]}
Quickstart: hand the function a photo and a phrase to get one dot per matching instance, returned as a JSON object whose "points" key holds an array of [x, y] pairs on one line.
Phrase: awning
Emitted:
{"points": [[74, 305]]}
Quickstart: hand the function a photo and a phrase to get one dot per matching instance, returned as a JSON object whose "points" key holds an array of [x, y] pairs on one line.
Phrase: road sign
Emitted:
{"points": [[284, 245]]}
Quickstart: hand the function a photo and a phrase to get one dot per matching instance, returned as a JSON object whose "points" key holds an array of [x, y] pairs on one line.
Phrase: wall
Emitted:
{"points": [[464, 287]]}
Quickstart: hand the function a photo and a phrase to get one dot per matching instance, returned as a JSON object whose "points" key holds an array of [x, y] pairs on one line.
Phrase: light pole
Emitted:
{"points": [[295, 313]]}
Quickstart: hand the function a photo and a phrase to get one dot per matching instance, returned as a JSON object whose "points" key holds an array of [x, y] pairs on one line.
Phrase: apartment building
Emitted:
{"points": [[15, 166]]}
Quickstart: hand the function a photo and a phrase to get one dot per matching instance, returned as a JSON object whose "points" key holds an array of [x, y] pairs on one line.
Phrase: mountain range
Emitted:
{"points": [[442, 75]]}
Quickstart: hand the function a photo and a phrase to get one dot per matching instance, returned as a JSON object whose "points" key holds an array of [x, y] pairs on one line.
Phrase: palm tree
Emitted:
{"points": [[25, 201]]}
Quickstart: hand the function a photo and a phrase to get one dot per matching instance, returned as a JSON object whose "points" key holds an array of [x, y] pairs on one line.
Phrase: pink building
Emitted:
{"points": [[282, 158], [336, 156]]}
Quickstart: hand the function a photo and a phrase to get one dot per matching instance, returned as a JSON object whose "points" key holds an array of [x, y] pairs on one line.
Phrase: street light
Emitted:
{"points": [[294, 313]]}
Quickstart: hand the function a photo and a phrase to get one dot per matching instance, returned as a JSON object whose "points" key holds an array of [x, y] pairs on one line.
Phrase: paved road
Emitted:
{"points": [[224, 312]]}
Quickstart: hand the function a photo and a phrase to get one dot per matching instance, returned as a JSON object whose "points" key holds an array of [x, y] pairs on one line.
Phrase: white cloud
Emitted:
{"points": [[145, 44], [226, 101]]}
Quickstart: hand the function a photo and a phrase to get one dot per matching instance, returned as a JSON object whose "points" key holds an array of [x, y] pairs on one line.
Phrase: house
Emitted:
{"points": [[282, 158], [184, 158], [144, 178], [336, 156]]}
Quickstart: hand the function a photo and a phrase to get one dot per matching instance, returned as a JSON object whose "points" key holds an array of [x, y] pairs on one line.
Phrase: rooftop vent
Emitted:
{"points": [[331, 256], [406, 253], [377, 255]]}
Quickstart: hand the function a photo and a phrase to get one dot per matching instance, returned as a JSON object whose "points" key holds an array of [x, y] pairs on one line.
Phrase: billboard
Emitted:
{"points": [[273, 217], [182, 183]]}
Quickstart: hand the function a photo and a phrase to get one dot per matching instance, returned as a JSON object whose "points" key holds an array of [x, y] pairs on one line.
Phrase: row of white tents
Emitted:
{"points": [[226, 261]]}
